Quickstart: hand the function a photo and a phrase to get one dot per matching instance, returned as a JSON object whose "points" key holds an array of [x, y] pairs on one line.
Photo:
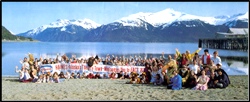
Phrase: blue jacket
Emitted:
{"points": [[176, 82]]}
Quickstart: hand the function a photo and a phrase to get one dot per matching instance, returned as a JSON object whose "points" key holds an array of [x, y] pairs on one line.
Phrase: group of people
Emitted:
{"points": [[186, 70], [189, 70]]}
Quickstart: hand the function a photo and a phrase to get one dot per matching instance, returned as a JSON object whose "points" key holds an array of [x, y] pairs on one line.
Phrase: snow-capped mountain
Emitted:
{"points": [[163, 26], [85, 23], [169, 16]]}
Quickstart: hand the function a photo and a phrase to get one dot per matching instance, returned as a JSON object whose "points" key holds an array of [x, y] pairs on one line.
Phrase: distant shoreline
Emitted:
{"points": [[18, 41]]}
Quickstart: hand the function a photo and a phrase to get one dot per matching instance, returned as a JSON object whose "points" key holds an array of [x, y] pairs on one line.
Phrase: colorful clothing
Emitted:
{"points": [[202, 83]]}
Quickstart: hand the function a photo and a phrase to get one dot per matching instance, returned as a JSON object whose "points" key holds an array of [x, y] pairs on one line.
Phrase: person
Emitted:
{"points": [[202, 82], [112, 75], [148, 70], [192, 80], [126, 75], [134, 79], [216, 59], [194, 67], [188, 54], [105, 76], [77, 76], [153, 74], [222, 80], [55, 78], [184, 73], [211, 82], [97, 75], [206, 58], [223, 71], [72, 76], [40, 79], [175, 81], [83, 76], [143, 78], [120, 75], [61, 75], [158, 80], [90, 76], [207, 70], [183, 60], [67, 75], [25, 63]]}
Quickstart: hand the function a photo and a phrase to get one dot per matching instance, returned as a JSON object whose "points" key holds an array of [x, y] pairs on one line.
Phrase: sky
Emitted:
{"points": [[19, 17]]}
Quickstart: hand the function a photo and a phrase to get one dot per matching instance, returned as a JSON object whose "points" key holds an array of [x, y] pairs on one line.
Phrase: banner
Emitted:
{"points": [[77, 67]]}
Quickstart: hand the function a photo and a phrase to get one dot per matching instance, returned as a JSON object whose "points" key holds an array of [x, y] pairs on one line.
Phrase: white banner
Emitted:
{"points": [[76, 67]]}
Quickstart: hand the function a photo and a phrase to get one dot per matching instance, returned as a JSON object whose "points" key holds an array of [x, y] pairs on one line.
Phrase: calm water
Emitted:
{"points": [[13, 52]]}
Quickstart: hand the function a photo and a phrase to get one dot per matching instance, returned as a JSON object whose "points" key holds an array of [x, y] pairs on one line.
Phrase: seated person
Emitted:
{"points": [[120, 75], [175, 81], [158, 80], [184, 73], [222, 81], [61, 75], [202, 81], [97, 75], [191, 81], [126, 76], [211, 82], [90, 76]]}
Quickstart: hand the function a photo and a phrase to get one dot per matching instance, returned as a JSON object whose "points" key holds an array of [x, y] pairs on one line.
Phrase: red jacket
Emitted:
{"points": [[208, 59]]}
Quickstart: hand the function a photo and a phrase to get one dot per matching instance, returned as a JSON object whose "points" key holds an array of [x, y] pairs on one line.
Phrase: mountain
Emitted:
{"points": [[163, 26], [62, 30], [8, 36]]}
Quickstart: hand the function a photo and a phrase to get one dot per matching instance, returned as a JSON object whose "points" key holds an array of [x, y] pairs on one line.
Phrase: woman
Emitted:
{"points": [[202, 81], [56, 78], [153, 74]]}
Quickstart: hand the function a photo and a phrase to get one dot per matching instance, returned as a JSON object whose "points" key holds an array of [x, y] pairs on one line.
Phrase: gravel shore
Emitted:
{"points": [[116, 90]]}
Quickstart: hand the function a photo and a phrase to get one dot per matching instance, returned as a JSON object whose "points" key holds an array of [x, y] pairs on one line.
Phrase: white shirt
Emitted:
{"points": [[26, 64], [216, 60], [194, 68]]}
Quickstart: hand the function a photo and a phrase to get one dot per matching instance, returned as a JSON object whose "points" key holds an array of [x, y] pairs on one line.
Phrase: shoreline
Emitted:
{"points": [[115, 90]]}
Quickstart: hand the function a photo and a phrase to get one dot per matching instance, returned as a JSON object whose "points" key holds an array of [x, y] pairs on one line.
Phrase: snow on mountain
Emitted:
{"points": [[85, 23], [243, 17], [168, 16]]}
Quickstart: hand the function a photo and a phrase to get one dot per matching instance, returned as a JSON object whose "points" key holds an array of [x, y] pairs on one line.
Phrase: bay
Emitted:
{"points": [[13, 52]]}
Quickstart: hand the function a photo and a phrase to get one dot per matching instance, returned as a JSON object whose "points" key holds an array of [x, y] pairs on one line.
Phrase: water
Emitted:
{"points": [[13, 52]]}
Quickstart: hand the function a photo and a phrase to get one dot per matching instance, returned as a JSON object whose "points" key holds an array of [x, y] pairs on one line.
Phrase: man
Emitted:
{"points": [[206, 58]]}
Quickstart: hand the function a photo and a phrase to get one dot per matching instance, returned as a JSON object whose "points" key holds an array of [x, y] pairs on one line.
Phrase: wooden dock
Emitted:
{"points": [[239, 44]]}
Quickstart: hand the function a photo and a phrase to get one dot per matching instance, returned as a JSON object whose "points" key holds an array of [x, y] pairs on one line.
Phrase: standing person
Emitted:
{"points": [[176, 81], [216, 59], [206, 58]]}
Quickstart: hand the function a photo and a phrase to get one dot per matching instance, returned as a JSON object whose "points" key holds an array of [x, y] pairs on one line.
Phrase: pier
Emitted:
{"points": [[239, 44]]}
